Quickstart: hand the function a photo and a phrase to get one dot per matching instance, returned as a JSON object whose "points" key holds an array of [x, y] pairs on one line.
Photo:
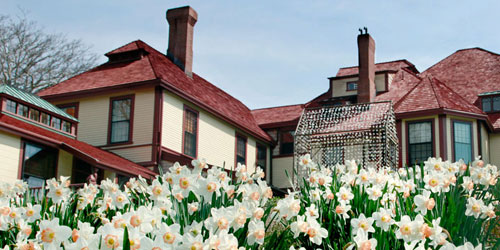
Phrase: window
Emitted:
{"points": [[45, 118], [23, 110], [11, 106], [462, 141], [39, 164], [70, 109], [419, 142], [190, 132], [262, 157], [56, 123], [491, 104], [66, 126], [286, 142], [120, 121], [34, 115], [241, 149], [333, 155], [350, 86]]}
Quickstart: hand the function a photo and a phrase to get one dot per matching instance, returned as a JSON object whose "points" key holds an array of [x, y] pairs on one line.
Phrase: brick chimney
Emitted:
{"points": [[366, 56], [180, 40]]}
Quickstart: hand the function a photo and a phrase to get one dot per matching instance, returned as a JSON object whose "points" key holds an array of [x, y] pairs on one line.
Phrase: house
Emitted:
{"points": [[38, 142], [451, 110], [152, 109]]}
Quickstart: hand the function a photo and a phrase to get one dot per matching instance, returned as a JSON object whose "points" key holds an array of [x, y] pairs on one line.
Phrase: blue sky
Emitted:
{"points": [[273, 53]]}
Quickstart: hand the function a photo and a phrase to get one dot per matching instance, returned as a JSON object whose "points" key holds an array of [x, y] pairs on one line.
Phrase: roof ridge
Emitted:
{"points": [[135, 41], [398, 60], [434, 90], [282, 106], [478, 48], [396, 105]]}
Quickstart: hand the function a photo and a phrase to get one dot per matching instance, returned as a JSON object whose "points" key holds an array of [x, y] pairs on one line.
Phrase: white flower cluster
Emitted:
{"points": [[186, 208], [406, 204]]}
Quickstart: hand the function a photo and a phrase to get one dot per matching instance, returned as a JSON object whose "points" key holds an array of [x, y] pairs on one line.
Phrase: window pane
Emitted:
{"points": [[286, 142], [496, 103], [486, 104], [463, 141], [190, 132], [420, 132], [261, 156], [45, 118], [241, 149], [420, 152], [121, 110], [333, 155], [39, 163], [120, 131], [352, 86], [70, 110], [66, 126], [56, 123], [11, 106], [189, 144], [23, 110], [34, 114]]}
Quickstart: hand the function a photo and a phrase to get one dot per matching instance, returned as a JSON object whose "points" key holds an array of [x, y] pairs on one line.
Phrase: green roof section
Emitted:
{"points": [[33, 99]]}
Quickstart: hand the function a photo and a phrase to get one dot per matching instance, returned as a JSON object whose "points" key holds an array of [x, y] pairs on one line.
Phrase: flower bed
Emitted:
{"points": [[440, 204]]}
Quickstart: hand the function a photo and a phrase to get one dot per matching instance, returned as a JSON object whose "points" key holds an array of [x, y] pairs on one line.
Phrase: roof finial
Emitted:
{"points": [[366, 30]]}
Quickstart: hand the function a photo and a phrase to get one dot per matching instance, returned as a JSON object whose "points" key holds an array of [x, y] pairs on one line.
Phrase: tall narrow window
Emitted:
{"points": [[56, 123], [11, 106], [66, 126], [419, 142], [462, 141], [241, 149], [34, 115], [39, 164], [262, 157], [120, 121], [45, 118], [190, 132], [286, 142], [23, 110]]}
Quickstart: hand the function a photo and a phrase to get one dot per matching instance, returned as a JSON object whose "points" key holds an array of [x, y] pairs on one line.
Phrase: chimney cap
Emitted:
{"points": [[361, 31], [181, 13]]}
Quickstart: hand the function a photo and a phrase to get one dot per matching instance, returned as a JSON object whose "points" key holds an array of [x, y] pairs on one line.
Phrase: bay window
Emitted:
{"points": [[420, 141]]}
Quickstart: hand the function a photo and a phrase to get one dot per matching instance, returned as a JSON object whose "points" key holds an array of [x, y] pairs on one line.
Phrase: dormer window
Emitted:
{"points": [[351, 86], [491, 104]]}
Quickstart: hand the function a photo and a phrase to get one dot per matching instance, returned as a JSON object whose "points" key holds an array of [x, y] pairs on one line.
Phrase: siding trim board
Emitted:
{"points": [[442, 137], [131, 119], [157, 127]]}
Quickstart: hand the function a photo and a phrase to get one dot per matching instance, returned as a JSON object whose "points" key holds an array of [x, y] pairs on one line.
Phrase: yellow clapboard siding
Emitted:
{"points": [[136, 154], [9, 153], [64, 164], [280, 165]]}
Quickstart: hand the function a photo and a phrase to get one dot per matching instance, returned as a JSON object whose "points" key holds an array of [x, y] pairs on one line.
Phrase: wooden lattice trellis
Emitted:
{"points": [[363, 132]]}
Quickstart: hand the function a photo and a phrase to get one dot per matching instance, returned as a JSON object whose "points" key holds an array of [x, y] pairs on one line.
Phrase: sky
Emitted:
{"points": [[274, 53]]}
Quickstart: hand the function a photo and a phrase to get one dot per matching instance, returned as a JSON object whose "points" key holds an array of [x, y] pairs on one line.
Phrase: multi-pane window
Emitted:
{"points": [[34, 115], [39, 164], [66, 126], [190, 132], [351, 86], [45, 118], [70, 110], [462, 141], [23, 110], [419, 141], [286, 142], [11, 106], [241, 149], [491, 104], [262, 157], [120, 120], [56, 123]]}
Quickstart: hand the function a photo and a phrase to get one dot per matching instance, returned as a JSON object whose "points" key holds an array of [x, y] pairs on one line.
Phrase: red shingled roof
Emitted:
{"points": [[431, 93], [383, 66], [95, 155], [155, 65], [278, 116]]}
